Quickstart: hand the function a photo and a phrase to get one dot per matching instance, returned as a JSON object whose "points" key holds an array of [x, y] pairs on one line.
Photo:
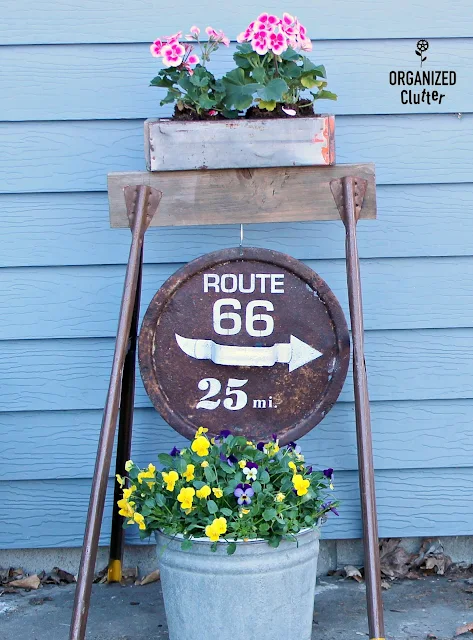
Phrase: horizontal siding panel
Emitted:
{"points": [[50, 21], [411, 435], [76, 156], [73, 374], [67, 79], [73, 229], [84, 302], [423, 502]]}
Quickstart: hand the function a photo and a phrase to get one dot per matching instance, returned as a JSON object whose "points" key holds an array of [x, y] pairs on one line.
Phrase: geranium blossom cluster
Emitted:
{"points": [[176, 54], [226, 487], [271, 33]]}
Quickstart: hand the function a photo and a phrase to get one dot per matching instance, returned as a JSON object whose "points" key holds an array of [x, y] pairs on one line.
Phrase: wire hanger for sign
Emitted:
{"points": [[241, 235]]}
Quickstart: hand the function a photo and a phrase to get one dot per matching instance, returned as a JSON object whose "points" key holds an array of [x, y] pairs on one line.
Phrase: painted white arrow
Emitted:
{"points": [[295, 354]]}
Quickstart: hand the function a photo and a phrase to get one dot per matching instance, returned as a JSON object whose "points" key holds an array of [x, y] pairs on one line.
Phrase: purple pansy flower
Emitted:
{"points": [[175, 452], [243, 493], [328, 473], [309, 469], [327, 505], [292, 446], [260, 446], [250, 470], [274, 436], [224, 433], [231, 460]]}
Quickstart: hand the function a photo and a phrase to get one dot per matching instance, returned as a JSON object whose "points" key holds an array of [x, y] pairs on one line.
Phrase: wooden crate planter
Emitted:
{"points": [[173, 145]]}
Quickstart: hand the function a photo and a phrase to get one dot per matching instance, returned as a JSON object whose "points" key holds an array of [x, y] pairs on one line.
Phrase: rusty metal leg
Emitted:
{"points": [[349, 193], [125, 426], [142, 202]]}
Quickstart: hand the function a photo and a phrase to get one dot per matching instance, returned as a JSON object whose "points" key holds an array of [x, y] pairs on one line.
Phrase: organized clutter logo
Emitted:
{"points": [[422, 46], [423, 81]]}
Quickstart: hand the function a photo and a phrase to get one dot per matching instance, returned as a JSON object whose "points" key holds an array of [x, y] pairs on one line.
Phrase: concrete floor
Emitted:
{"points": [[414, 609]]}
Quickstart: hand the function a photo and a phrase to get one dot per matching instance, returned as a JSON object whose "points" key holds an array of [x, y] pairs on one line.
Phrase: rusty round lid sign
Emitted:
{"points": [[249, 340]]}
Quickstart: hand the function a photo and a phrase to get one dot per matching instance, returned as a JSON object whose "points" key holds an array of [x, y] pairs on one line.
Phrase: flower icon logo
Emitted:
{"points": [[422, 46]]}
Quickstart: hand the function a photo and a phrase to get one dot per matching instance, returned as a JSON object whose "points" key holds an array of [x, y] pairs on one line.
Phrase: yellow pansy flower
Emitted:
{"points": [[245, 511], [280, 497], [128, 465], [242, 464], [204, 492], [201, 446], [185, 497], [126, 508], [189, 472], [204, 464], [218, 493], [200, 431], [140, 521], [170, 479], [149, 473], [216, 529], [248, 442], [292, 466], [300, 485], [127, 492], [120, 480]]}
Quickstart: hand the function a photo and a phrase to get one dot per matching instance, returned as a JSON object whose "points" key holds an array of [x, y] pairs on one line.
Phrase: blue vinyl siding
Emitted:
{"points": [[74, 111]]}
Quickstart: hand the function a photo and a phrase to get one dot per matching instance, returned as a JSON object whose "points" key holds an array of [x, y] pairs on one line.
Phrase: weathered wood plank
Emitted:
{"points": [[62, 82], [76, 156], [410, 434], [78, 231], [241, 195], [52, 21], [433, 502], [42, 375], [84, 302]]}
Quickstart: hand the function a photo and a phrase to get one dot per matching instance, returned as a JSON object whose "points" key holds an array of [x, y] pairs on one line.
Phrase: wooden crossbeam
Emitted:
{"points": [[229, 196]]}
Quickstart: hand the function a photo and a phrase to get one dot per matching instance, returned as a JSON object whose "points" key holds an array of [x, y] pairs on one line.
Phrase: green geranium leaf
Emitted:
{"points": [[273, 90], [242, 61], [309, 67], [186, 545], [168, 98], [290, 54], [291, 70], [212, 506], [325, 95], [269, 105], [231, 548], [166, 460], [309, 82], [205, 102], [200, 77], [259, 74], [244, 47], [161, 82]]}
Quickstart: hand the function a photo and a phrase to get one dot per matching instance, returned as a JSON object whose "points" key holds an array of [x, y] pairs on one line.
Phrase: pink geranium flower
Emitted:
{"points": [[260, 42], [172, 54], [195, 30], [277, 43], [246, 35], [155, 48], [193, 59]]}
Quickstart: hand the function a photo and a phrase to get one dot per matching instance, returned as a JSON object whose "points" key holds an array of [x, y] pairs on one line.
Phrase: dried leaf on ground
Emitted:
{"points": [[464, 629], [395, 561], [154, 576], [31, 582], [385, 585], [353, 572], [64, 576]]}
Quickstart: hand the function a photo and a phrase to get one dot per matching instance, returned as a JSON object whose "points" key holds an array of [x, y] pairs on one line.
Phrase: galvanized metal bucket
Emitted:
{"points": [[259, 593]]}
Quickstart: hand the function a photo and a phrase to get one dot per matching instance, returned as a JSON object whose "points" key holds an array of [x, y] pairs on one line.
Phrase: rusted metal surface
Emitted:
{"points": [[125, 427], [348, 194], [173, 145], [143, 203], [244, 339]]}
